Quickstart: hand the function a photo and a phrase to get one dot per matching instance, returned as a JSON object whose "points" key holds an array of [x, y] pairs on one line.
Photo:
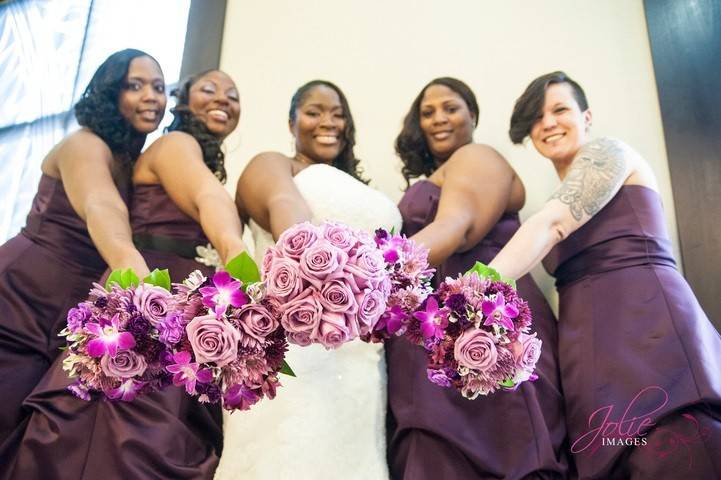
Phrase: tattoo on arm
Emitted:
{"points": [[593, 177]]}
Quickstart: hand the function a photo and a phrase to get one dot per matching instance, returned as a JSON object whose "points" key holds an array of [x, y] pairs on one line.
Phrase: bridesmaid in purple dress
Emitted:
{"points": [[465, 211], [178, 203], [78, 223], [639, 359]]}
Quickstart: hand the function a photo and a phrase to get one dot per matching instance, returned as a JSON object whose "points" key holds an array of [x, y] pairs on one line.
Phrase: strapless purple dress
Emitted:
{"points": [[44, 270], [436, 433], [160, 435], [633, 337]]}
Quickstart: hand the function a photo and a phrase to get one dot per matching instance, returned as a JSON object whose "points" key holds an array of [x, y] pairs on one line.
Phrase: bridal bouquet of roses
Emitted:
{"points": [[225, 337], [410, 278], [330, 282], [476, 332], [113, 337]]}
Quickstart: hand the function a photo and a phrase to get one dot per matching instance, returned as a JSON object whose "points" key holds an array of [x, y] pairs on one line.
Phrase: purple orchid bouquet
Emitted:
{"points": [[329, 281], [406, 263], [113, 344], [225, 337], [476, 332]]}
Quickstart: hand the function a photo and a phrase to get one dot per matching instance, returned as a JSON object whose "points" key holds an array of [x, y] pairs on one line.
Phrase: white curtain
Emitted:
{"points": [[49, 50]]}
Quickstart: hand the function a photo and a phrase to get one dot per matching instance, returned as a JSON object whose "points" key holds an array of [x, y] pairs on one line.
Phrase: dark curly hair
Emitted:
{"points": [[529, 105], [346, 159], [185, 121], [98, 107], [411, 145]]}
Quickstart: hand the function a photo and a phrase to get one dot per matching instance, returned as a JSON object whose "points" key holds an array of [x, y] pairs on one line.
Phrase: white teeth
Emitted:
{"points": [[553, 138], [149, 115], [326, 139], [219, 115], [441, 135]]}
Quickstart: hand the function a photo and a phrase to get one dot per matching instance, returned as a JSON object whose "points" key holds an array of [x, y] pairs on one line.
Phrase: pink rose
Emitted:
{"points": [[125, 364], [284, 281], [152, 302], [268, 258], [339, 235], [366, 268], [333, 331], [256, 321], [336, 296], [299, 338], [213, 340], [302, 314], [475, 349], [322, 262], [526, 352], [297, 239], [371, 305]]}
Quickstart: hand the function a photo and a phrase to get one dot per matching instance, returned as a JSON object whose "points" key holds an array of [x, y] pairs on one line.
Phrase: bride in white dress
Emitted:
{"points": [[329, 421]]}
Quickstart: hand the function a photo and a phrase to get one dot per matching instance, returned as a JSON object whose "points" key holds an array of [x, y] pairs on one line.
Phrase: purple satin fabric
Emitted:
{"points": [[161, 435], [629, 322], [435, 432], [44, 270]]}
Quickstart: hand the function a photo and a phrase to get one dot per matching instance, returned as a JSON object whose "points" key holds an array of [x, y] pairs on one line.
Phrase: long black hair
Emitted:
{"points": [[346, 159], [98, 107], [411, 145], [185, 121], [529, 105]]}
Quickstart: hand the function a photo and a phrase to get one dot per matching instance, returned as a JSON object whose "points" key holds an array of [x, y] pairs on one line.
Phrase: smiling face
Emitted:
{"points": [[446, 121], [318, 125], [561, 128], [214, 100], [142, 100]]}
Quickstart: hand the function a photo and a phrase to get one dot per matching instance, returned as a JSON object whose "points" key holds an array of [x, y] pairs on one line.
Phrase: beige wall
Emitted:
{"points": [[381, 53]]}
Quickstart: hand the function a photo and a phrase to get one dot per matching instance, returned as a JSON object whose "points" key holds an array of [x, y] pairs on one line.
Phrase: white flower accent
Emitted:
{"points": [[256, 291], [194, 280], [208, 256]]}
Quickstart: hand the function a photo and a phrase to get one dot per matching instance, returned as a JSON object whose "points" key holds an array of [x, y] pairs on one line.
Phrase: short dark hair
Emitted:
{"points": [[98, 108], [346, 159], [529, 105], [411, 145], [185, 121]]}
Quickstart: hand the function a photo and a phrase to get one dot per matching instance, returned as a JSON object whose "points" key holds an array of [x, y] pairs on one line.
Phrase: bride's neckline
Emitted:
{"points": [[310, 166]]}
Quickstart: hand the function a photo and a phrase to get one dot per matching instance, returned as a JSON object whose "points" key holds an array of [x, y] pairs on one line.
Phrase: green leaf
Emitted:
{"points": [[244, 269], [484, 271], [508, 383], [159, 278], [124, 278], [285, 368]]}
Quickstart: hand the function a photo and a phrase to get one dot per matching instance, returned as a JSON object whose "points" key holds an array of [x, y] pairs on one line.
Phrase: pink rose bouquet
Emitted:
{"points": [[476, 332], [330, 282], [225, 337], [113, 339]]}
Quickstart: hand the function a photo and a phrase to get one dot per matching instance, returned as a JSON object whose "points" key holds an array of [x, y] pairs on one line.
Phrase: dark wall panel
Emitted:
{"points": [[204, 36], [685, 38]]}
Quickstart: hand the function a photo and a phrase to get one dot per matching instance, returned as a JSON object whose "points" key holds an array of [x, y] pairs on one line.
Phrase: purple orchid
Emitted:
{"points": [[499, 312], [241, 397], [394, 319], [224, 293], [433, 320], [188, 373], [391, 256], [110, 338], [127, 391]]}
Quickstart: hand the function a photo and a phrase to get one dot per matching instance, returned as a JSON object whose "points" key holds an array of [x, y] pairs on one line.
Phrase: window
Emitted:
{"points": [[49, 50]]}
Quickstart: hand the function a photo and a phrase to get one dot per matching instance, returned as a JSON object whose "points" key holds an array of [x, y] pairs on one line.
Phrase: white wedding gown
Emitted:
{"points": [[329, 421]]}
